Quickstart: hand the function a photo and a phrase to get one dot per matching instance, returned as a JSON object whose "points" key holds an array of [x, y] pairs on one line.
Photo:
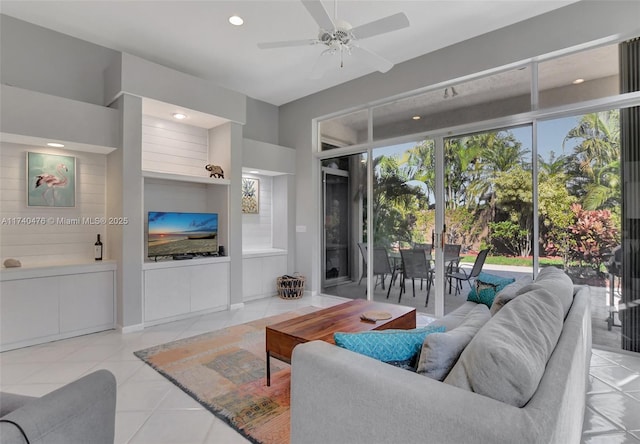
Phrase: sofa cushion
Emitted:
{"points": [[507, 357], [486, 288], [556, 282], [508, 293], [386, 345], [456, 317], [440, 351], [10, 402]]}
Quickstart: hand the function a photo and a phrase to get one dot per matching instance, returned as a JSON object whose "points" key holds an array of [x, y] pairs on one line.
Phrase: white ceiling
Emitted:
{"points": [[195, 36]]}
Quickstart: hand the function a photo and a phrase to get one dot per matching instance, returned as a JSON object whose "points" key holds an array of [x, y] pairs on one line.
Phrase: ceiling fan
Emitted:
{"points": [[340, 37]]}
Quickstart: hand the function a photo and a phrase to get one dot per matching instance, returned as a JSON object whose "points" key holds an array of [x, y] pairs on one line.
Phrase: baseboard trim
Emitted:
{"points": [[131, 328], [236, 306]]}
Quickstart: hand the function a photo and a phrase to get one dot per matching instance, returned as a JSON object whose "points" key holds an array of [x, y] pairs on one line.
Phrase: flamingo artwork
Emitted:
{"points": [[51, 182]]}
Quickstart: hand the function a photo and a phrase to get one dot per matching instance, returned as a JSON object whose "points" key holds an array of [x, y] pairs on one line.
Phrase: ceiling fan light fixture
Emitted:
{"points": [[236, 20]]}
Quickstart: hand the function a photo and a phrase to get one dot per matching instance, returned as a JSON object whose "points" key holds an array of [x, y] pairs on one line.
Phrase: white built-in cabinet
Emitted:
{"points": [[260, 271], [45, 304], [177, 289], [173, 160]]}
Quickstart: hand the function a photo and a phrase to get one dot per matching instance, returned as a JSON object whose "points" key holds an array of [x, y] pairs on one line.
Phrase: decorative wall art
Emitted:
{"points": [[250, 195], [51, 180]]}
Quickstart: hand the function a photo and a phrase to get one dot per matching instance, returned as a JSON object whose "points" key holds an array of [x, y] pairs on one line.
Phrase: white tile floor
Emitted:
{"points": [[151, 410]]}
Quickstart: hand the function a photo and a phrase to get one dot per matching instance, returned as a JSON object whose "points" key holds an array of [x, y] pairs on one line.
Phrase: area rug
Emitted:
{"points": [[224, 370]]}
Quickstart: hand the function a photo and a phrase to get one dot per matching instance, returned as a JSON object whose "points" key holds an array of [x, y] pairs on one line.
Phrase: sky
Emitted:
{"points": [[551, 134], [182, 222]]}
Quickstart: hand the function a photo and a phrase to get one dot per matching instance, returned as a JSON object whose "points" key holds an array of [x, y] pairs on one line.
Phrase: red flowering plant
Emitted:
{"points": [[594, 234]]}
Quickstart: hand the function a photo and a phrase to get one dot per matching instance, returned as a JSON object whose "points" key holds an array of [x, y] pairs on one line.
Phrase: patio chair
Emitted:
{"points": [[428, 249], [461, 275], [415, 266], [363, 251], [381, 266], [452, 251]]}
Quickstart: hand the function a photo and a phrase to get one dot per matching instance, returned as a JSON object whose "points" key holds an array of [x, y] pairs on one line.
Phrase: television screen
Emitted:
{"points": [[175, 234]]}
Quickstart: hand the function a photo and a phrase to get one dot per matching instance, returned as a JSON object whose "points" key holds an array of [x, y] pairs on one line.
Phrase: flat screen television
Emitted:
{"points": [[182, 234]]}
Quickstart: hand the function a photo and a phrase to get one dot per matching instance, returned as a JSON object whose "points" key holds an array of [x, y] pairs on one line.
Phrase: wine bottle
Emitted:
{"points": [[98, 249]]}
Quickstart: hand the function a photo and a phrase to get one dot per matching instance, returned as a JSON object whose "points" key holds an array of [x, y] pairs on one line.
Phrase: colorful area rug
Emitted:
{"points": [[224, 370]]}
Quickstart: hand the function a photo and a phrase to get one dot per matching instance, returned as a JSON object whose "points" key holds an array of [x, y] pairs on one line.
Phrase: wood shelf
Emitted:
{"points": [[184, 178]]}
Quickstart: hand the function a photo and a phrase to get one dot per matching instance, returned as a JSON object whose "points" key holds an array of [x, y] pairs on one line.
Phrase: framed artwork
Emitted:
{"points": [[51, 180], [250, 195]]}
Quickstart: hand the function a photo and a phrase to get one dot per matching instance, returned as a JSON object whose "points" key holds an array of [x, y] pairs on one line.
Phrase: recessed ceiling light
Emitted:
{"points": [[55, 145], [179, 116], [416, 117], [254, 171], [577, 81], [236, 20]]}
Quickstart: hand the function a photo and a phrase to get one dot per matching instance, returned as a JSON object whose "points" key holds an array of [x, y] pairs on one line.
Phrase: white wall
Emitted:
{"points": [[173, 147], [50, 243], [566, 27], [257, 229]]}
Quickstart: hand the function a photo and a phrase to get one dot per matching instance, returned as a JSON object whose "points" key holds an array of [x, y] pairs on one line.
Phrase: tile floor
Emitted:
{"points": [[152, 410]]}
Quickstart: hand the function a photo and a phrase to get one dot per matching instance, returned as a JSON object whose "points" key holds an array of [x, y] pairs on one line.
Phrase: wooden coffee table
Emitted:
{"points": [[321, 325]]}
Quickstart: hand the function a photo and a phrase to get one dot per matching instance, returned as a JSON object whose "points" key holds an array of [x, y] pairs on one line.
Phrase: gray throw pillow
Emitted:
{"points": [[440, 351], [508, 293], [507, 358], [556, 282], [456, 317]]}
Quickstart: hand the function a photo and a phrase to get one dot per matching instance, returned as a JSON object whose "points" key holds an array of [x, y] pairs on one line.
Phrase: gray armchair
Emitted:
{"points": [[81, 412]]}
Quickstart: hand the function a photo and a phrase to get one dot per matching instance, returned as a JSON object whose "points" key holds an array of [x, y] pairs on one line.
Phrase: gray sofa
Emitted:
{"points": [[339, 396], [82, 412]]}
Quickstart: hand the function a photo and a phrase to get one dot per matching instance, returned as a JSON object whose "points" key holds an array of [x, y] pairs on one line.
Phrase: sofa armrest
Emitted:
{"points": [[80, 412], [339, 396]]}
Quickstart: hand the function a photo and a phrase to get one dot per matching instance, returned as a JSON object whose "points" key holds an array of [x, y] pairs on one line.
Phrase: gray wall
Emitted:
{"points": [[262, 121], [572, 25], [46, 61]]}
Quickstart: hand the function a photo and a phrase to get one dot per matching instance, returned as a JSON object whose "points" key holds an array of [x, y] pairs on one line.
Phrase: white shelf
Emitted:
{"points": [[38, 271], [264, 252], [184, 178], [150, 265]]}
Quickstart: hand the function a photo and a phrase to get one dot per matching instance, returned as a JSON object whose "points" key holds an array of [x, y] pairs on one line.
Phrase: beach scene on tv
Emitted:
{"points": [[172, 234]]}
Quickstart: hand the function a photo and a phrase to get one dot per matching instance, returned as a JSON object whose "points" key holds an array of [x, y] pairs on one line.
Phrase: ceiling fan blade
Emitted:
{"points": [[372, 59], [319, 14], [287, 43], [321, 66], [381, 26]]}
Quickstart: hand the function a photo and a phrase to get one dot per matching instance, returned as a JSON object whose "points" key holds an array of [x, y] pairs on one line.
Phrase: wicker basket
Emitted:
{"points": [[290, 287]]}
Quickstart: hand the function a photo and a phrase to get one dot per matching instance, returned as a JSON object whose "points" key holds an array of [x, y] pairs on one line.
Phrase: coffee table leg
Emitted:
{"points": [[268, 369]]}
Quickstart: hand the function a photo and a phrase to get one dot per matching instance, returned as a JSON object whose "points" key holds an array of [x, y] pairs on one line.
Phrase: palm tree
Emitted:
{"points": [[595, 162], [499, 152], [420, 165], [553, 167], [599, 136], [394, 202]]}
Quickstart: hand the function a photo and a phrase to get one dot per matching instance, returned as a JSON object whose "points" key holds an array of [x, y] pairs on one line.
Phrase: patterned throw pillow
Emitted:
{"points": [[487, 286], [392, 346]]}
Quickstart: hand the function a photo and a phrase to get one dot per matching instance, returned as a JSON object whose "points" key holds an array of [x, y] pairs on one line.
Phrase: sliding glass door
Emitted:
{"points": [[580, 211], [343, 208]]}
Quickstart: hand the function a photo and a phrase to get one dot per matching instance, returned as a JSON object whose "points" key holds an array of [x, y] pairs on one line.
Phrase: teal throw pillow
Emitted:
{"points": [[390, 346], [487, 287]]}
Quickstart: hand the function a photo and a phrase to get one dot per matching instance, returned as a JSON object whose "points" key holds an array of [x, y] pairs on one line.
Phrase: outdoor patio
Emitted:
{"points": [[602, 337]]}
